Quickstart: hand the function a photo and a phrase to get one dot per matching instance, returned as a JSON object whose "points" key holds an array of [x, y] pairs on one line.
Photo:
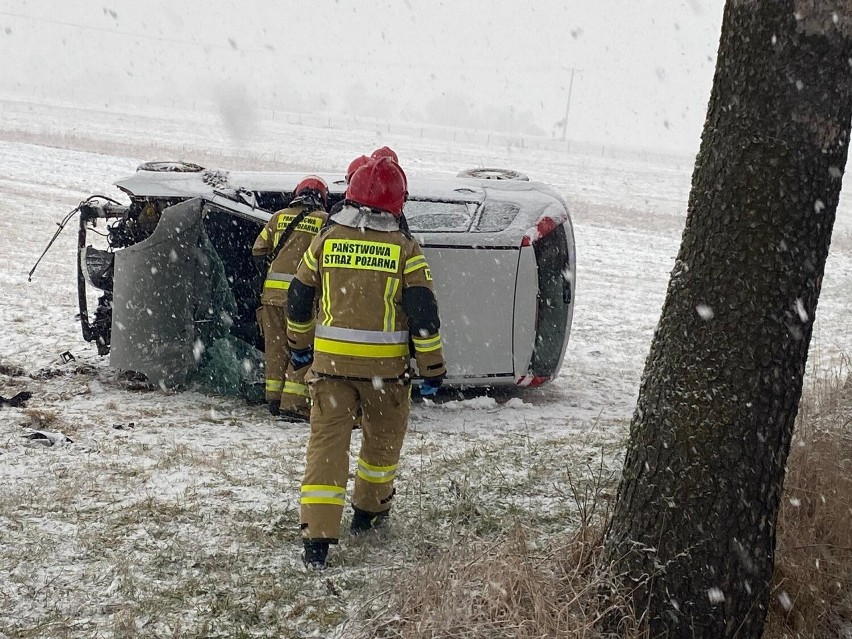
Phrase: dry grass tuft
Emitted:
{"points": [[38, 418], [509, 587], [503, 589], [812, 586]]}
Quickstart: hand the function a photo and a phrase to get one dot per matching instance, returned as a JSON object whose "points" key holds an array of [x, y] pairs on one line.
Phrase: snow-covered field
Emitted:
{"points": [[176, 514]]}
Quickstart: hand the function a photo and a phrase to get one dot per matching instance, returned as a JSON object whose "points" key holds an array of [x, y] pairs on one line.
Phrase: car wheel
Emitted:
{"points": [[170, 167], [493, 174]]}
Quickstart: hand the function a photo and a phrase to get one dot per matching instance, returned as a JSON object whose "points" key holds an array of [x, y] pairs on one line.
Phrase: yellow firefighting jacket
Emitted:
{"points": [[375, 299], [283, 267]]}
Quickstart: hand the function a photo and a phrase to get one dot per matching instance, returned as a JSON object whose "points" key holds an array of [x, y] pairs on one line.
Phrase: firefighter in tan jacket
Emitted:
{"points": [[277, 251], [375, 299]]}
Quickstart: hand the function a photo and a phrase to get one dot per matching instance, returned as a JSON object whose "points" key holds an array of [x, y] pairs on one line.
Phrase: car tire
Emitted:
{"points": [[170, 167], [493, 174]]}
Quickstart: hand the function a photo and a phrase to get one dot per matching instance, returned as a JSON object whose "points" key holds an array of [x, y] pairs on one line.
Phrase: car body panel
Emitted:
{"points": [[156, 285], [526, 292]]}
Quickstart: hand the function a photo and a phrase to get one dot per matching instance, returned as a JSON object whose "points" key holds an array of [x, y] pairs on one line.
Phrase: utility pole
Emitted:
{"points": [[568, 106]]}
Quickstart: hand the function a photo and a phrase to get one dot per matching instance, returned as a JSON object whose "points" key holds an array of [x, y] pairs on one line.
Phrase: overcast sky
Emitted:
{"points": [[643, 68]]}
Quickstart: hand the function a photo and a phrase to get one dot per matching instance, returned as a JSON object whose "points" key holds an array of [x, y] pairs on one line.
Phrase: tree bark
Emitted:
{"points": [[693, 530]]}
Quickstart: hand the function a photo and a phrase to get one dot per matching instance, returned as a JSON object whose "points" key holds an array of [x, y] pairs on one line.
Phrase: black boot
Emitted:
{"points": [[293, 416], [273, 408], [315, 554], [364, 521]]}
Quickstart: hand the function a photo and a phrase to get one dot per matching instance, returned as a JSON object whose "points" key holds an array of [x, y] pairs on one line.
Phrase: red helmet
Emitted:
{"points": [[313, 184], [385, 152], [356, 164], [379, 185]]}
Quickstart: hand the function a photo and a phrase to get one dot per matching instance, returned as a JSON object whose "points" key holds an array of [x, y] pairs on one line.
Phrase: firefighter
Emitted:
{"points": [[375, 296], [354, 165], [277, 251], [385, 152], [360, 161]]}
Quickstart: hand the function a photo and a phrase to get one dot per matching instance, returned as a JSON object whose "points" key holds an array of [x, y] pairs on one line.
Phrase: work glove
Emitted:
{"points": [[429, 387], [302, 357]]}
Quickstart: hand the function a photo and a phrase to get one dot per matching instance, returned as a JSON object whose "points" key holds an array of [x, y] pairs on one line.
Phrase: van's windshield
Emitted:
{"points": [[496, 216], [442, 217]]}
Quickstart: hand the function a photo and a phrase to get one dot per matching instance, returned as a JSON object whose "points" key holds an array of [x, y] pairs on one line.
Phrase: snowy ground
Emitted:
{"points": [[176, 514]]}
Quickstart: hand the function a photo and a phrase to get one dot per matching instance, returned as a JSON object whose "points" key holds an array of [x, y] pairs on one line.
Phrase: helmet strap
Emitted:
{"points": [[311, 199]]}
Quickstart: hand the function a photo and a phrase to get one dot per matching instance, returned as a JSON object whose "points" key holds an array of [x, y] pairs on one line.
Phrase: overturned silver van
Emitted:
{"points": [[174, 274]]}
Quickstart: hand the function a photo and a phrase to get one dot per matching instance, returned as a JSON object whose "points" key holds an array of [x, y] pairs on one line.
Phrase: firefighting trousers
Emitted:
{"points": [[383, 424], [283, 384]]}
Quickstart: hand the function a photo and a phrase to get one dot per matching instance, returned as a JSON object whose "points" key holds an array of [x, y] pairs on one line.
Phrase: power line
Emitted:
{"points": [[191, 43], [269, 49], [131, 34]]}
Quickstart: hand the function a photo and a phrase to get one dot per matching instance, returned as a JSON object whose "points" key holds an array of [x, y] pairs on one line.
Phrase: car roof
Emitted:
{"points": [[532, 198]]}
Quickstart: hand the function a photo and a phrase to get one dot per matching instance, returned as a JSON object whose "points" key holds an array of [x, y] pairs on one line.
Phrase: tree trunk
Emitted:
{"points": [[693, 529]]}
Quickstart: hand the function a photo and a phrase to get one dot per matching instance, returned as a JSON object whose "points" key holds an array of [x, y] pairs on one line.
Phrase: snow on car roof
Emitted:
{"points": [[532, 198], [204, 183]]}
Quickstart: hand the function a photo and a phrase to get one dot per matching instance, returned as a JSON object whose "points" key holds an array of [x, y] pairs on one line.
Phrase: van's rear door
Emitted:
{"points": [[475, 288], [474, 277]]}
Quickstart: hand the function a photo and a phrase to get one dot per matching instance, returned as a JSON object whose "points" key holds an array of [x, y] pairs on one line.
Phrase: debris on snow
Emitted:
{"points": [[48, 438], [11, 370], [18, 400]]}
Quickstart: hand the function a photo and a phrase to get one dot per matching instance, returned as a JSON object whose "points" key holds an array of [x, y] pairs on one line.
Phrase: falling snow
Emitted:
{"points": [[628, 217], [704, 311]]}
